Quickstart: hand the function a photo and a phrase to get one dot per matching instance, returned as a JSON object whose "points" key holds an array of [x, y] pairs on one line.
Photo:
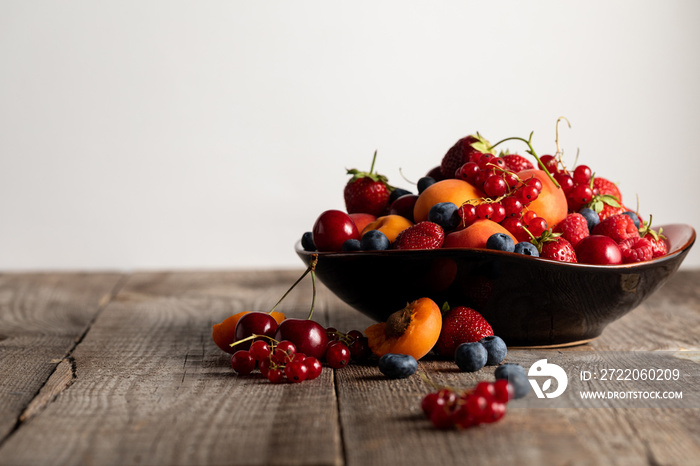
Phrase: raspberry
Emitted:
{"points": [[573, 228], [619, 227], [636, 250]]}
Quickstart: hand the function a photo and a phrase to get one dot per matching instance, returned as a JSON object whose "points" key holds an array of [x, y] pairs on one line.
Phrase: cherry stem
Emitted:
{"points": [[310, 268], [531, 151]]}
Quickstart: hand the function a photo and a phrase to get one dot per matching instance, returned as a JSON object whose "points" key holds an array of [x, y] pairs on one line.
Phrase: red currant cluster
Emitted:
{"points": [[343, 347], [485, 403], [577, 185], [507, 196], [277, 361]]}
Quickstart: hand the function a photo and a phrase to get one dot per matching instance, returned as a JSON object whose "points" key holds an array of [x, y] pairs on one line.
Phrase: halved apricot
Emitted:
{"points": [[413, 330], [224, 333]]}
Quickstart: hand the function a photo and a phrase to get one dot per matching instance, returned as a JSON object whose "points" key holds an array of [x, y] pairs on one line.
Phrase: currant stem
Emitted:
{"points": [[310, 268], [556, 140], [252, 337], [531, 151]]}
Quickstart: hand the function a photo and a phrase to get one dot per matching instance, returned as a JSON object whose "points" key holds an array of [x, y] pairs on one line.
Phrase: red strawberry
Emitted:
{"points": [[619, 227], [608, 211], [461, 325], [636, 249], [558, 249], [517, 163], [423, 235], [367, 192], [460, 152], [573, 228]]}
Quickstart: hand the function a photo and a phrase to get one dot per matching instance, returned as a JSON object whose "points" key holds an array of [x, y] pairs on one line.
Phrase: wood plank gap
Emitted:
{"points": [[64, 374], [341, 429]]}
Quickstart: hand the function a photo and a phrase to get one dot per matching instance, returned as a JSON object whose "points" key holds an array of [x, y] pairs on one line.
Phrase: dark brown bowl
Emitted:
{"points": [[528, 301]]}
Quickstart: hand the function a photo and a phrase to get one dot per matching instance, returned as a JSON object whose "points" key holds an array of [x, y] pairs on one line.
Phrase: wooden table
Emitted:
{"points": [[111, 368]]}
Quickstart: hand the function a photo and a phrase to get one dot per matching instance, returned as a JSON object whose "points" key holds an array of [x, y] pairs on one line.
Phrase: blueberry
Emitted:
{"points": [[397, 193], [397, 366], [445, 214], [374, 240], [521, 385], [527, 248], [307, 241], [351, 245], [424, 182], [634, 218], [470, 357], [500, 242], [516, 375], [591, 217], [496, 349], [508, 370]]}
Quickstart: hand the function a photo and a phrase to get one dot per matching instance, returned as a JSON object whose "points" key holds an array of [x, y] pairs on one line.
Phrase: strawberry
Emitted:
{"points": [[367, 192], [558, 249], [573, 228], [516, 163], [618, 227], [423, 235], [461, 325], [636, 249], [460, 153], [552, 245]]}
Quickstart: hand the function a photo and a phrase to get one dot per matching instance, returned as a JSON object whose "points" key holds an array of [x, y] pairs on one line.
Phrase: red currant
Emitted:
{"points": [[275, 375], [503, 391], [296, 371], [338, 355], [468, 172], [260, 350], [242, 362], [484, 211], [565, 181], [499, 212], [468, 214], [550, 162], [537, 226], [313, 367], [513, 206], [582, 174], [495, 186]]}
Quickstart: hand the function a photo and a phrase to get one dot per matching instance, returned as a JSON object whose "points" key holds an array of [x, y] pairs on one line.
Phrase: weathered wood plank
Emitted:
{"points": [[152, 388], [41, 318]]}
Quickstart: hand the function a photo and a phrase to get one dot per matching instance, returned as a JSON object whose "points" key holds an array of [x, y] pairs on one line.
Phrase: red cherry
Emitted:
{"points": [[332, 229], [599, 250], [308, 336], [254, 323], [403, 206]]}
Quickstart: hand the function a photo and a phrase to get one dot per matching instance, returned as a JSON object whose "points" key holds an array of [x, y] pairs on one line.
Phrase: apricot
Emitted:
{"points": [[390, 225], [224, 333], [551, 204], [413, 330], [475, 235], [453, 190]]}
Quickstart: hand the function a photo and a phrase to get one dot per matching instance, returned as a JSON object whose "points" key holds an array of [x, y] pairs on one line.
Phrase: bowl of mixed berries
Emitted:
{"points": [[548, 254]]}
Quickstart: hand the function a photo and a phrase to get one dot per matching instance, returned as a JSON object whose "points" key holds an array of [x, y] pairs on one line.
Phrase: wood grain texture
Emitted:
{"points": [[42, 316], [148, 386], [152, 388]]}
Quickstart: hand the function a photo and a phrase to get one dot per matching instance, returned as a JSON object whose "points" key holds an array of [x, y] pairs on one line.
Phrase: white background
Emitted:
{"points": [[152, 135]]}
